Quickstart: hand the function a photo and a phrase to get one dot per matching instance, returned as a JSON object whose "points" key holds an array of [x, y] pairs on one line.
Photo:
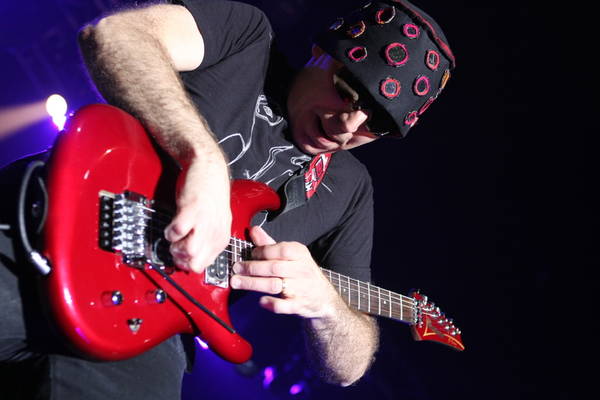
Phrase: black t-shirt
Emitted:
{"points": [[227, 89]]}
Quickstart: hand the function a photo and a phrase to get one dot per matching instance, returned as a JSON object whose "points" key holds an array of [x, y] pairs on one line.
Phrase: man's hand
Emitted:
{"points": [[341, 342], [287, 269], [202, 226]]}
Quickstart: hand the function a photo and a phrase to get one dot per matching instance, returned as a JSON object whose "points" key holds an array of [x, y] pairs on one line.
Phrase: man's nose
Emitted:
{"points": [[351, 121]]}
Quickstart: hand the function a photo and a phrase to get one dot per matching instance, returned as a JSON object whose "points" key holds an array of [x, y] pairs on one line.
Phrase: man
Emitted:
{"points": [[193, 73]]}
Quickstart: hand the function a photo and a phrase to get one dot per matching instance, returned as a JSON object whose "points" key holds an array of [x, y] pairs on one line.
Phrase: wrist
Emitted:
{"points": [[331, 314], [201, 152]]}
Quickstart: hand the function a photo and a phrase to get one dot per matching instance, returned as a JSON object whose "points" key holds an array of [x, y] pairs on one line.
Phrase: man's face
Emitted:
{"points": [[321, 119]]}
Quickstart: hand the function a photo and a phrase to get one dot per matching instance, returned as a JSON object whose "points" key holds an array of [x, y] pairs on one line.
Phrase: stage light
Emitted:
{"points": [[201, 343], [15, 118], [296, 388], [268, 376], [56, 106]]}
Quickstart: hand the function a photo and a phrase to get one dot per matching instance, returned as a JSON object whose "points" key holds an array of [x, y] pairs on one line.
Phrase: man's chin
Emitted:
{"points": [[314, 148], [314, 143]]}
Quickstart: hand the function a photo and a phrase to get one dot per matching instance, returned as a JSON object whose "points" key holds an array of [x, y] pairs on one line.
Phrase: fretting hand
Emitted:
{"points": [[286, 269]]}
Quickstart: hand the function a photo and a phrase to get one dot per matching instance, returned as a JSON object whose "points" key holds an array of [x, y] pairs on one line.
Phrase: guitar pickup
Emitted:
{"points": [[217, 273]]}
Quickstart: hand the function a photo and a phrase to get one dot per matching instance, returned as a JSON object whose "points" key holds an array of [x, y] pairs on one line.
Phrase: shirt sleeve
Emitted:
{"points": [[225, 87], [227, 27]]}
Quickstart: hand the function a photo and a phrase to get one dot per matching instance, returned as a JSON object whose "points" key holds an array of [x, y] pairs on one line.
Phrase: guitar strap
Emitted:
{"points": [[301, 186]]}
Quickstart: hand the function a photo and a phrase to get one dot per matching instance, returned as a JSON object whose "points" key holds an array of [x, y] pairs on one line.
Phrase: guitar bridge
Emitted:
{"points": [[128, 226], [123, 227]]}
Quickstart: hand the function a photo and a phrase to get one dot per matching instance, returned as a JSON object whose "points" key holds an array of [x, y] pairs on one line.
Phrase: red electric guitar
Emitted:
{"points": [[111, 285]]}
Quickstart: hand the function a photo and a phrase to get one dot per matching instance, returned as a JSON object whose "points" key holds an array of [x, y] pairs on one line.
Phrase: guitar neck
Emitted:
{"points": [[361, 296], [372, 299]]}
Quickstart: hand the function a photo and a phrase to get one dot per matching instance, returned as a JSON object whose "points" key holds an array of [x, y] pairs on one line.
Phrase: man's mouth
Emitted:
{"points": [[323, 136]]}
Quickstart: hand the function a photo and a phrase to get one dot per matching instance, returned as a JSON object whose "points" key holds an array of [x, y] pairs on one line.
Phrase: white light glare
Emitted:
{"points": [[56, 106]]}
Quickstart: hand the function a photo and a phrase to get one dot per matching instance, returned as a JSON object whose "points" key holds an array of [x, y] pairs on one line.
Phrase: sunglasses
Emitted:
{"points": [[380, 123]]}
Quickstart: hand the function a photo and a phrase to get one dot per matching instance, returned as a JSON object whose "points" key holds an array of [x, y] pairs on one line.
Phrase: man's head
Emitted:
{"points": [[373, 73]]}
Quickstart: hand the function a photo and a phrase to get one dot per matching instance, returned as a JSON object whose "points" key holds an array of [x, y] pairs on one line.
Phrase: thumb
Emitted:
{"points": [[260, 237], [181, 225]]}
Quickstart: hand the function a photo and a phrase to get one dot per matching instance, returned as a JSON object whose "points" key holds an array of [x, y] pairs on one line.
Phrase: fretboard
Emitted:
{"points": [[360, 295], [372, 299]]}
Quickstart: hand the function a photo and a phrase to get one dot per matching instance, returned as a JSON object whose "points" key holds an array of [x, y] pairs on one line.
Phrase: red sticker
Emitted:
{"points": [[315, 173]]}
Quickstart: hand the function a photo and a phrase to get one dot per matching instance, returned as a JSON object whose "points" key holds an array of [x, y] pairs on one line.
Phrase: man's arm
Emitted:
{"points": [[342, 346], [340, 341], [133, 58]]}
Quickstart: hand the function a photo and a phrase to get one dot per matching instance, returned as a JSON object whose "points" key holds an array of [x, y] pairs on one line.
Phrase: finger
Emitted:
{"points": [[182, 253], [260, 237], [277, 305], [196, 252], [181, 225], [289, 251], [262, 268], [257, 284]]}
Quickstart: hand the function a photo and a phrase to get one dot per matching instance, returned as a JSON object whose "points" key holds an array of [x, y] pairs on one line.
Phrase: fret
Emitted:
{"points": [[235, 251], [349, 291], [401, 309], [369, 296], [358, 283], [387, 301]]}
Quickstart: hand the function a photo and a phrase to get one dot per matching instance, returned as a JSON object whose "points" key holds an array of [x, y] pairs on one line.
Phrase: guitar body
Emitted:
{"points": [[106, 307]]}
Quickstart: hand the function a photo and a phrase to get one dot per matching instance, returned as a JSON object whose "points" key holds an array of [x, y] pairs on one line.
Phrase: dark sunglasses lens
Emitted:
{"points": [[380, 123]]}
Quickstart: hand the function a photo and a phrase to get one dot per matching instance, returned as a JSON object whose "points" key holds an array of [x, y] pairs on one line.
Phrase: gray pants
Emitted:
{"points": [[35, 364]]}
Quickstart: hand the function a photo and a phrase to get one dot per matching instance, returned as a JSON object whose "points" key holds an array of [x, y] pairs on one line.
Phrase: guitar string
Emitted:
{"points": [[353, 284], [249, 245]]}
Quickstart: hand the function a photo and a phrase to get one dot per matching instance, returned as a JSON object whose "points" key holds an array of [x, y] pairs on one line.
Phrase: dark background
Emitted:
{"points": [[482, 206]]}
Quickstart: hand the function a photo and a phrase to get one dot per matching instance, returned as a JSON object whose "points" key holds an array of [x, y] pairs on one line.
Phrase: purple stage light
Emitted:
{"points": [[201, 343], [296, 388], [268, 376]]}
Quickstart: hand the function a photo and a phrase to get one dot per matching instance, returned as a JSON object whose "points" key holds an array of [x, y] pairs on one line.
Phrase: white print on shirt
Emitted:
{"points": [[265, 113], [326, 187], [273, 151]]}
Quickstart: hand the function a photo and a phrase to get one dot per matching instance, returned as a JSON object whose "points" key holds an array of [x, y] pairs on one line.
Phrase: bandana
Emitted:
{"points": [[397, 52]]}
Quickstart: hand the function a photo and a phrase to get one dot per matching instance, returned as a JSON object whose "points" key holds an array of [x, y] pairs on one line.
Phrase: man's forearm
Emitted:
{"points": [[342, 348], [132, 71], [133, 58]]}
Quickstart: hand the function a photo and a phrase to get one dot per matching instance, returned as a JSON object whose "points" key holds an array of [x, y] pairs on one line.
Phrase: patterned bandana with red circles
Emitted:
{"points": [[397, 52]]}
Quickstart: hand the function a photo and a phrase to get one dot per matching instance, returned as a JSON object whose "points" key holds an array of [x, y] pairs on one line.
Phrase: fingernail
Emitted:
{"points": [[167, 232], [237, 268], [235, 282]]}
